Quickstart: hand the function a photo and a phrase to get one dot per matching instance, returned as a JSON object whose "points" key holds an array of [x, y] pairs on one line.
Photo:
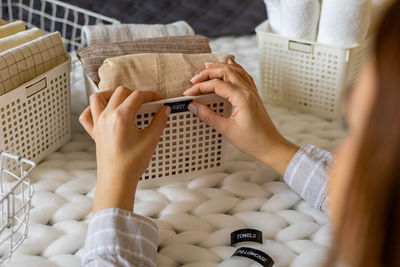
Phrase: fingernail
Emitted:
{"points": [[168, 111], [209, 63], [194, 77], [187, 91], [230, 61], [193, 108]]}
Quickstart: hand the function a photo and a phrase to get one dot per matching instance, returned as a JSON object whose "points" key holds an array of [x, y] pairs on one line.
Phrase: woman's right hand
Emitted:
{"points": [[249, 128]]}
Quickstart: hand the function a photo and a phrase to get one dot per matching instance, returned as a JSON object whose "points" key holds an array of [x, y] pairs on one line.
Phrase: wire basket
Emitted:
{"points": [[53, 15], [307, 76], [15, 198]]}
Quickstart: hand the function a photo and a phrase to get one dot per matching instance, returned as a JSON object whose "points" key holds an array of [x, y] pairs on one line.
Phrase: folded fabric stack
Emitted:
{"points": [[336, 22], [160, 58], [26, 54]]}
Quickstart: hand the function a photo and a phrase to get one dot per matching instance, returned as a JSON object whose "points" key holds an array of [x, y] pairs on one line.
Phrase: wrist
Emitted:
{"points": [[115, 190], [278, 154]]}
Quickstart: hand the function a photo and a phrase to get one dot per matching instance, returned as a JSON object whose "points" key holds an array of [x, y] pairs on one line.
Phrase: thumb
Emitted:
{"points": [[157, 125], [206, 115]]}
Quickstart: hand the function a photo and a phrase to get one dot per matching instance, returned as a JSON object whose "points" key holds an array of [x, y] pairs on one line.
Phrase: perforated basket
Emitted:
{"points": [[35, 117], [187, 147], [15, 196], [307, 76]]}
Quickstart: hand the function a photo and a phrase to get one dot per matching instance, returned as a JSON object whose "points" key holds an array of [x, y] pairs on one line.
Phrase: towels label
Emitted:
{"points": [[243, 235], [180, 106], [255, 255]]}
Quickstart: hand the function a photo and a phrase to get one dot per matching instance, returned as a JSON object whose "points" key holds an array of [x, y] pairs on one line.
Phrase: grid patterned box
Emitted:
{"points": [[187, 147], [307, 76], [35, 117]]}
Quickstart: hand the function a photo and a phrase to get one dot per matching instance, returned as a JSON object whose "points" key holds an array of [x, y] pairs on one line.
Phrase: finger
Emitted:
{"points": [[87, 121], [221, 88], [98, 103], [135, 100], [156, 128], [242, 71], [224, 72], [120, 94], [206, 115]]}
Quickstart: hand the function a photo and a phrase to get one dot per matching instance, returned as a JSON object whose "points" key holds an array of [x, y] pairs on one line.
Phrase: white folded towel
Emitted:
{"points": [[100, 33], [274, 14], [344, 22], [299, 19]]}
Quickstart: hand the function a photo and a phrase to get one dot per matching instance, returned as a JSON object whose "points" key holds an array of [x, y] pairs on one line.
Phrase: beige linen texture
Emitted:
{"points": [[166, 74], [11, 28], [92, 57], [100, 33], [19, 38], [27, 61], [3, 22]]}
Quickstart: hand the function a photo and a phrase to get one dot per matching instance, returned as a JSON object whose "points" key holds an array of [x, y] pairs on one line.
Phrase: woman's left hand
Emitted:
{"points": [[123, 151]]}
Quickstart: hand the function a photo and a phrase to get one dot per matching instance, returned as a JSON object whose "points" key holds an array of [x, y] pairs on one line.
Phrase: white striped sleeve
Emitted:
{"points": [[119, 237], [307, 175]]}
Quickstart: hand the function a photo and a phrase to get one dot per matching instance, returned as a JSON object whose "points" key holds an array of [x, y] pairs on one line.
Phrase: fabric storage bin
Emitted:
{"points": [[35, 117], [188, 147], [307, 76]]}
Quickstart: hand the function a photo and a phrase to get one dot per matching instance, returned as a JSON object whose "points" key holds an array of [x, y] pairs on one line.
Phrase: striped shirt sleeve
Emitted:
{"points": [[119, 237], [307, 175]]}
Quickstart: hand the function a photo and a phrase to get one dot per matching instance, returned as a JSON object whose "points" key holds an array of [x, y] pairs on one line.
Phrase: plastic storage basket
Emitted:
{"points": [[15, 196], [187, 147], [35, 117], [307, 76]]}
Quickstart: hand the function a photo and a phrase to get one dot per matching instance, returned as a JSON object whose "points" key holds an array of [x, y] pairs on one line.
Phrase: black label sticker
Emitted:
{"points": [[180, 106], [243, 235], [255, 255]]}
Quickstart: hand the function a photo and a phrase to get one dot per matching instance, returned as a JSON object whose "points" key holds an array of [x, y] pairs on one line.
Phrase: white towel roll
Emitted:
{"points": [[344, 22], [299, 18], [274, 14]]}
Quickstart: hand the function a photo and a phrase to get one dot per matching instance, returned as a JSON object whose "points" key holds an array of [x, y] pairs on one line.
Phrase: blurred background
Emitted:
{"points": [[208, 17]]}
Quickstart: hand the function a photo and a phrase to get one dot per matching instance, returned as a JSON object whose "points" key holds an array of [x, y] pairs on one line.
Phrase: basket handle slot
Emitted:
{"points": [[36, 87], [300, 47]]}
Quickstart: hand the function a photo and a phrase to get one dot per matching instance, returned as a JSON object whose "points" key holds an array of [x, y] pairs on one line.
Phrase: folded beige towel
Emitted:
{"points": [[27, 61], [19, 38], [92, 57], [3, 22], [11, 28], [100, 33], [166, 74]]}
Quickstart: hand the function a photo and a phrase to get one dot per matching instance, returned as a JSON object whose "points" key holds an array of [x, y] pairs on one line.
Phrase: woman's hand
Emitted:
{"points": [[123, 151], [249, 128]]}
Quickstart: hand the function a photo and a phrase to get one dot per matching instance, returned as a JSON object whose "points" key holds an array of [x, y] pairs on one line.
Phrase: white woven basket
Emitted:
{"points": [[307, 76]]}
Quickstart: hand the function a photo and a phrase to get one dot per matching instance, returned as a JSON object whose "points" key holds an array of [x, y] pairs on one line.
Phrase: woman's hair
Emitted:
{"points": [[369, 226]]}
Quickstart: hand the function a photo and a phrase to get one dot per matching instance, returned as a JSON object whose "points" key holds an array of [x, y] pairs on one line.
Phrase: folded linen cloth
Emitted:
{"points": [[92, 57], [11, 28], [299, 19], [27, 61], [274, 14], [344, 22], [19, 38], [166, 74], [101, 33], [3, 22]]}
